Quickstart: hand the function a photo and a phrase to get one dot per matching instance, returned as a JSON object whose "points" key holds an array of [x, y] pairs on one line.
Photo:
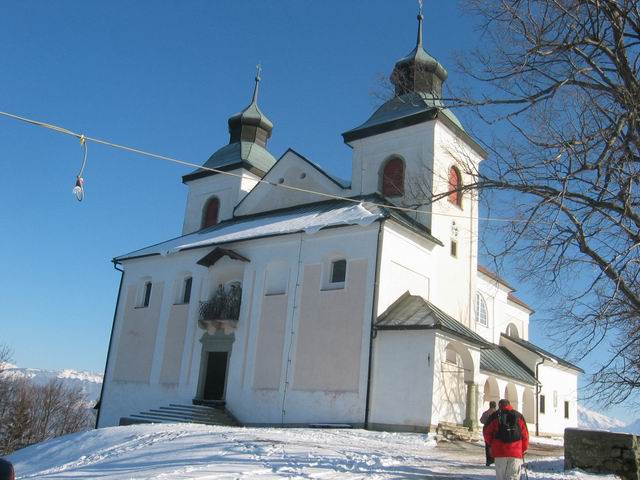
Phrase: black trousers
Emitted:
{"points": [[487, 451]]}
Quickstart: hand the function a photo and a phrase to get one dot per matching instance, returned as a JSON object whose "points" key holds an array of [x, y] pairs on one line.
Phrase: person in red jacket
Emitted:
{"points": [[508, 438]]}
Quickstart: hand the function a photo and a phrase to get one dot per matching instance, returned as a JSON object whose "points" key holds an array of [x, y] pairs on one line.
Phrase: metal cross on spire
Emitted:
{"points": [[258, 78], [420, 18]]}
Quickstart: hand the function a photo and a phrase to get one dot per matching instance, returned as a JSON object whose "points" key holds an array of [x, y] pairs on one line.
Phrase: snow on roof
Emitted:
{"points": [[309, 219]]}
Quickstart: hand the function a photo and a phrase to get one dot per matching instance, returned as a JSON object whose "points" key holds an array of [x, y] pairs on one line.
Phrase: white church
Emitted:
{"points": [[294, 298]]}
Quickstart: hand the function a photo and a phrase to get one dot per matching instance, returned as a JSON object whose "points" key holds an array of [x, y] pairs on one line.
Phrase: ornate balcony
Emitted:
{"points": [[224, 306]]}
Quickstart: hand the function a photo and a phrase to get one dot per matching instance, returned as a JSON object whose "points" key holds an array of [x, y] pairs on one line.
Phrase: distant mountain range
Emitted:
{"points": [[90, 383], [590, 420]]}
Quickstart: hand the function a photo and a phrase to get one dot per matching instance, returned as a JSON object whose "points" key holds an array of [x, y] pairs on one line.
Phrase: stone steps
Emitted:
{"points": [[175, 413], [452, 431]]}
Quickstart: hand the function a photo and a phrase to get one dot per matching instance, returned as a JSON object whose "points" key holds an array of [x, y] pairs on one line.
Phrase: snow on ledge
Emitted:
{"points": [[306, 219]]}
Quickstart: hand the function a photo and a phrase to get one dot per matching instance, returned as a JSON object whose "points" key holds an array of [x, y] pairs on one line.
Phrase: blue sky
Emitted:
{"points": [[164, 76]]}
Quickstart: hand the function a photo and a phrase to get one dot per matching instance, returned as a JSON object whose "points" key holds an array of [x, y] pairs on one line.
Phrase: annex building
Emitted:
{"points": [[298, 309]]}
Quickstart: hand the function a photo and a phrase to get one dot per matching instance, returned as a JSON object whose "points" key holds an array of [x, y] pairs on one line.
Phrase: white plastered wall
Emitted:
{"points": [[406, 264], [500, 311], [229, 190], [402, 380], [291, 170], [122, 398], [454, 292], [562, 384], [246, 398], [553, 377], [255, 399]]}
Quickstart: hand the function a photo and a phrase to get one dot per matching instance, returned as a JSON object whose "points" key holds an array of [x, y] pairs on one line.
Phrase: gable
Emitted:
{"points": [[294, 170]]}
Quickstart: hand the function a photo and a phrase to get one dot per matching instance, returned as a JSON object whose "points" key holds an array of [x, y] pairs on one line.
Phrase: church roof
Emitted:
{"points": [[543, 353], [412, 312], [402, 111], [495, 277], [247, 155], [500, 361], [308, 218]]}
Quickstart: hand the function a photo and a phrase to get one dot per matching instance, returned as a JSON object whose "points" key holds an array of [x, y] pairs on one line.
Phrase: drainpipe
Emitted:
{"points": [[538, 390], [113, 326], [374, 316]]}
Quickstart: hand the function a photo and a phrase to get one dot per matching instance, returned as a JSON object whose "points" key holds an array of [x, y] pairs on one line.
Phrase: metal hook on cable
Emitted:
{"points": [[78, 190]]}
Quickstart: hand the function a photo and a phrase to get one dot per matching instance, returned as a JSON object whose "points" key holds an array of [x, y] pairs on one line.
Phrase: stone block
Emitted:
{"points": [[602, 452]]}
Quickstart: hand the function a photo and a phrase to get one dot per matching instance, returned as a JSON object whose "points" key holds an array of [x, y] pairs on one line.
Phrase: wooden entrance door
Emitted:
{"points": [[216, 375]]}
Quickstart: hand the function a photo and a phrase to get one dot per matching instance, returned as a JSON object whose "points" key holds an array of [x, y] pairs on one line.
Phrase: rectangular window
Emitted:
{"points": [[338, 271], [454, 248], [541, 403], [566, 409], [147, 294], [186, 296]]}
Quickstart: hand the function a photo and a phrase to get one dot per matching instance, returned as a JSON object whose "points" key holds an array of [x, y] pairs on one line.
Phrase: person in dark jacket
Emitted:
{"points": [[507, 435], [483, 420], [6, 470]]}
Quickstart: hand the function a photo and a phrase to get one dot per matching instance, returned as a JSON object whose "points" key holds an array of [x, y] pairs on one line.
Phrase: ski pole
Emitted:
{"points": [[524, 468]]}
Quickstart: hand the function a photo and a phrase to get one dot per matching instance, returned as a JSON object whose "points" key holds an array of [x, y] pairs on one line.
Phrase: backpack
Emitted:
{"points": [[508, 426]]}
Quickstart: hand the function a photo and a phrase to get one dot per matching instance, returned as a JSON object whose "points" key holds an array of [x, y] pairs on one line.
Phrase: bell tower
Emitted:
{"points": [[212, 195]]}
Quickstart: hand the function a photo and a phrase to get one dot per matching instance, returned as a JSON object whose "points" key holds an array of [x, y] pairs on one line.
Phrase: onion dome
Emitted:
{"points": [[419, 71], [251, 125], [249, 131]]}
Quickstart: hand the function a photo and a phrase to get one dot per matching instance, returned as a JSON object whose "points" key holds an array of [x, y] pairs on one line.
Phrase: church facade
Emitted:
{"points": [[297, 298]]}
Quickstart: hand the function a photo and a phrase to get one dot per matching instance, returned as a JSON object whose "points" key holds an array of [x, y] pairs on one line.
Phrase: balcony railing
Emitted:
{"points": [[224, 305]]}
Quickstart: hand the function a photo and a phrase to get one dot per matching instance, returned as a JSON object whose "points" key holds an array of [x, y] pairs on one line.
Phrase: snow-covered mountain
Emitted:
{"points": [[591, 420], [90, 383]]}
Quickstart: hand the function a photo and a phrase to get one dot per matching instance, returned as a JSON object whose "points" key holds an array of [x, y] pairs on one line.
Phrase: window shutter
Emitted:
{"points": [[210, 217], [455, 183], [393, 178]]}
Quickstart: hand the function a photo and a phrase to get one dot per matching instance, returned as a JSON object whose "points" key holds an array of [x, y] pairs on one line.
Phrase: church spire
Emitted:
{"points": [[257, 86], [419, 71], [420, 18], [251, 125]]}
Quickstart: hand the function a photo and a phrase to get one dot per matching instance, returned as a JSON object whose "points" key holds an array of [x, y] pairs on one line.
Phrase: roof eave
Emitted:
{"points": [[224, 168], [388, 126]]}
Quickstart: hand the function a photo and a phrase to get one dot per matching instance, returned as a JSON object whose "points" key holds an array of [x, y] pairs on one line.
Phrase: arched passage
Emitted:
{"points": [[528, 405], [491, 392], [512, 331], [511, 394], [459, 393]]}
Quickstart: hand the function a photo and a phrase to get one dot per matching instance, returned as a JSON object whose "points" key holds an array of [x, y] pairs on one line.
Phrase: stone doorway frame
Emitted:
{"points": [[218, 342]]}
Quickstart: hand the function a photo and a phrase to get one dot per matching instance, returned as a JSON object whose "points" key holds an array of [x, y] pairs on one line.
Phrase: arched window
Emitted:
{"points": [[455, 184], [393, 178], [481, 311], [210, 213]]}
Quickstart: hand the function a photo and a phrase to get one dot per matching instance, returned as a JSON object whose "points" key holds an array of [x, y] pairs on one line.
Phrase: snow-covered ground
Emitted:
{"points": [[90, 383], [201, 452]]}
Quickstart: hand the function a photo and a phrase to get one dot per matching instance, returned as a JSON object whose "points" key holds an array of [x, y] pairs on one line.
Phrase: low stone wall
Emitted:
{"points": [[602, 452]]}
